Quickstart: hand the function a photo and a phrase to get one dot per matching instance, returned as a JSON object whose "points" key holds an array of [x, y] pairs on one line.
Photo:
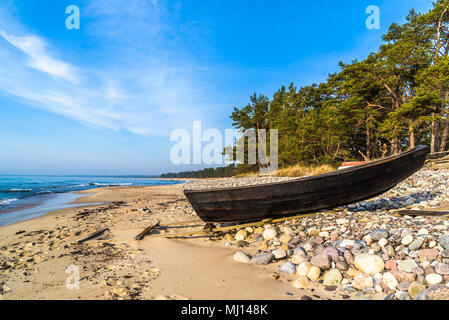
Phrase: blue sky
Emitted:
{"points": [[104, 99]]}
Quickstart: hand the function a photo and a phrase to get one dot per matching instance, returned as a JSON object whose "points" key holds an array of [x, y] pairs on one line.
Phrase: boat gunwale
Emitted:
{"points": [[315, 177]]}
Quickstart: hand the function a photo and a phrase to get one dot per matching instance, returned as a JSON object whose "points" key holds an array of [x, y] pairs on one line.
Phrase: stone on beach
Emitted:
{"points": [[332, 277], [314, 273], [415, 288], [241, 235], [369, 263], [362, 281], [390, 280], [444, 242], [427, 254], [288, 268], [442, 268], [242, 257], [416, 244], [407, 265], [296, 259], [303, 268], [270, 233], [262, 259], [322, 261], [378, 234], [438, 292], [434, 278], [279, 253]]}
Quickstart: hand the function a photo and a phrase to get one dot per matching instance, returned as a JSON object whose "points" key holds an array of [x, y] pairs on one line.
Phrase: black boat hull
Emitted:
{"points": [[307, 194]]}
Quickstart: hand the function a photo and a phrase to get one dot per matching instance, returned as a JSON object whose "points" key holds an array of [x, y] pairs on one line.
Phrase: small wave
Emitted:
{"points": [[16, 190], [44, 192], [109, 184], [7, 201]]}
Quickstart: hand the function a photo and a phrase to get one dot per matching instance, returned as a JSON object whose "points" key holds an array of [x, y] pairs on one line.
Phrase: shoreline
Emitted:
{"points": [[38, 205], [35, 254]]}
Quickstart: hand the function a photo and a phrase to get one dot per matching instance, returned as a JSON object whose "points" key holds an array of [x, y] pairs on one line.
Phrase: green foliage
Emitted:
{"points": [[390, 99], [219, 172]]}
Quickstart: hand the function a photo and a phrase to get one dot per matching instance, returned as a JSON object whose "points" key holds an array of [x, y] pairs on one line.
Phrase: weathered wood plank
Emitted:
{"points": [[94, 235], [141, 235], [421, 213]]}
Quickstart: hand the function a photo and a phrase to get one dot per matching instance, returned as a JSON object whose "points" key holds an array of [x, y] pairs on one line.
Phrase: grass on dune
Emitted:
{"points": [[302, 171]]}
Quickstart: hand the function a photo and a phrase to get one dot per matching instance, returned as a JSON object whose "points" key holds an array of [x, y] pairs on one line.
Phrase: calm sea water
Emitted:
{"points": [[20, 192]]}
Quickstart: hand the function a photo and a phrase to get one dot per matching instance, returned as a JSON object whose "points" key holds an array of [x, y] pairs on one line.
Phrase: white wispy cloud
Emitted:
{"points": [[34, 48], [144, 87]]}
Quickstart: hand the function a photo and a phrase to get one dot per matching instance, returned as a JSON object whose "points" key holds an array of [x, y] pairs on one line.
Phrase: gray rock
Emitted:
{"points": [[261, 259], [441, 268], [299, 251], [378, 234], [288, 268], [404, 296], [416, 244], [444, 242], [445, 253], [389, 297]]}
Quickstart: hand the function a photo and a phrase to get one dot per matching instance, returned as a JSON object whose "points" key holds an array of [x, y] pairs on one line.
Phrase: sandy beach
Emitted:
{"points": [[116, 266], [35, 254]]}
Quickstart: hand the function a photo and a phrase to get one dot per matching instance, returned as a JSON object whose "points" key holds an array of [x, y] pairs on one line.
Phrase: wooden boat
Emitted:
{"points": [[308, 194]]}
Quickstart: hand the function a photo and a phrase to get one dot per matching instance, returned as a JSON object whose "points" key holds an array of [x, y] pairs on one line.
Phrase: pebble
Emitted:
{"points": [[434, 278], [322, 261], [444, 242], [242, 257], [288, 268], [269, 234], [314, 273], [297, 259], [362, 281], [437, 292], [279, 253], [303, 268], [333, 277], [407, 265], [415, 288], [369, 263], [408, 239], [378, 234], [390, 280], [241, 235], [382, 242], [427, 254], [262, 259], [442, 268], [416, 244]]}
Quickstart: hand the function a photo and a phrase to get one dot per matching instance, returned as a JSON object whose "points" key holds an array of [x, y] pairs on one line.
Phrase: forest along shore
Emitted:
{"points": [[362, 251]]}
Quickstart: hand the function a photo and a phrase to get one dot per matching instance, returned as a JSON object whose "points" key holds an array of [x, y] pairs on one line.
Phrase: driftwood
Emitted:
{"points": [[422, 213], [211, 232], [93, 235], [141, 235]]}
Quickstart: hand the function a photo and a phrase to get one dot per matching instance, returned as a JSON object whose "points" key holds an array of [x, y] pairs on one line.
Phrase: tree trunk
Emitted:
{"points": [[445, 136], [394, 146], [435, 136], [412, 142], [368, 143]]}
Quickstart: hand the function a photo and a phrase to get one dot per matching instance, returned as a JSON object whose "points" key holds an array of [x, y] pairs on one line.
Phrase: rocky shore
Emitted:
{"points": [[365, 248]]}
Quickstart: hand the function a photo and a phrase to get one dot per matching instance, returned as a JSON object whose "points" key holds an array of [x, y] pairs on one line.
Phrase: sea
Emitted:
{"points": [[24, 197]]}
